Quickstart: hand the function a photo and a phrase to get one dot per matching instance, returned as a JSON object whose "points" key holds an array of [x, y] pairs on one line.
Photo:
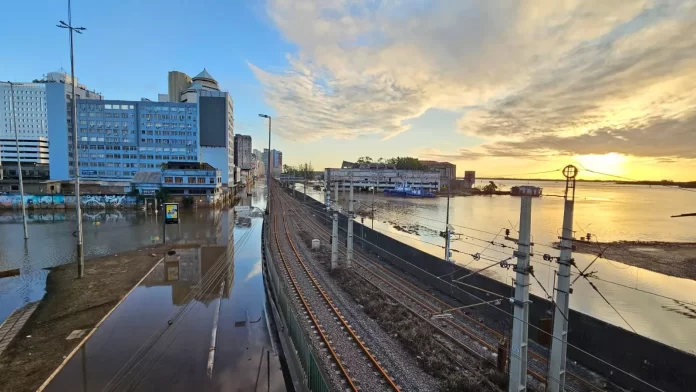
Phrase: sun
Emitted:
{"points": [[611, 163]]}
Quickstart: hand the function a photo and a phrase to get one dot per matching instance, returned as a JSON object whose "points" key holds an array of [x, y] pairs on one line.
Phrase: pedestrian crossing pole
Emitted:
{"points": [[557, 362], [519, 347], [349, 253]]}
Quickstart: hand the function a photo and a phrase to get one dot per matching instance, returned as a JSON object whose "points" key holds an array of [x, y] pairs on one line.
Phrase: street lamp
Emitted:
{"points": [[268, 170], [19, 162], [79, 30]]}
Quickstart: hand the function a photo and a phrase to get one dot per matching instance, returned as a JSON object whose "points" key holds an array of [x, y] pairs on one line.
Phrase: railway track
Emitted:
{"points": [[357, 366], [468, 333]]}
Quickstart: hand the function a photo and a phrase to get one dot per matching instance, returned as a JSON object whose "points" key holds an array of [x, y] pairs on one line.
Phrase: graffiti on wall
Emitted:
{"points": [[61, 201]]}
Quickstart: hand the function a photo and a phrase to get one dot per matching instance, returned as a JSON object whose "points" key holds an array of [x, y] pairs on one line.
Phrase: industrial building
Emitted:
{"points": [[448, 171], [382, 177]]}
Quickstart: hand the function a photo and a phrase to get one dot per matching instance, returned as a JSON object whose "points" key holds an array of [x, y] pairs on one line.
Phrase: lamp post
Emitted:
{"points": [[76, 171], [19, 162], [268, 162]]}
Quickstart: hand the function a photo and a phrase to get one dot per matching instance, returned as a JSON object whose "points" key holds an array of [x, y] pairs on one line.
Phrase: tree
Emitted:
{"points": [[187, 201], [490, 188], [364, 160], [406, 163], [162, 195]]}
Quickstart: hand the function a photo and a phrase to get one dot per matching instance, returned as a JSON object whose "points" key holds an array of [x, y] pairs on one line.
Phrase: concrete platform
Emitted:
{"points": [[11, 327]]}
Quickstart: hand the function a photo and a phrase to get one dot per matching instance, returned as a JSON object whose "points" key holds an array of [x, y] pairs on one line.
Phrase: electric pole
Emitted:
{"points": [[518, 350], [76, 168], [338, 206], [448, 254], [19, 163], [334, 242], [349, 252], [557, 362]]}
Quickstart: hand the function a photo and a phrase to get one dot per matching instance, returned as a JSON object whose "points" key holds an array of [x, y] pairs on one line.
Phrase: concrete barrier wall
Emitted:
{"points": [[9, 202], [663, 366]]}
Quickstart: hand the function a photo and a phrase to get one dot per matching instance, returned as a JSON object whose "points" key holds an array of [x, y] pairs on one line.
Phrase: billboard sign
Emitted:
{"points": [[171, 213]]}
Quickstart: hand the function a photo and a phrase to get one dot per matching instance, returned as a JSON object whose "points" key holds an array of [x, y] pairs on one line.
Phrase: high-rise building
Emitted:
{"points": [[216, 123], [178, 83], [119, 138], [276, 161], [31, 103], [242, 151]]}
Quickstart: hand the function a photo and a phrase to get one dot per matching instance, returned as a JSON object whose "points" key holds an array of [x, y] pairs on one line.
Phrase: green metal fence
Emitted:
{"points": [[315, 378]]}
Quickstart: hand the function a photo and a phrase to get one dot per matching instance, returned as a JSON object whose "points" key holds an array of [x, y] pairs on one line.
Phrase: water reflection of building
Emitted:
{"points": [[196, 274]]}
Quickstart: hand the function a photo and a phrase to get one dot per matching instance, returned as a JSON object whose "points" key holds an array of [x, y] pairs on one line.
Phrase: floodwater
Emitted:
{"points": [[178, 355], [610, 212]]}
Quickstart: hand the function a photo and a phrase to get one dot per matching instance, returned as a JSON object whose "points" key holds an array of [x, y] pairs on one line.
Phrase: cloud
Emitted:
{"points": [[531, 78]]}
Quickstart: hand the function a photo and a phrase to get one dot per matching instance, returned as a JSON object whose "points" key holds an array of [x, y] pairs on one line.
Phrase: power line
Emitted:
{"points": [[521, 174], [538, 261], [510, 314]]}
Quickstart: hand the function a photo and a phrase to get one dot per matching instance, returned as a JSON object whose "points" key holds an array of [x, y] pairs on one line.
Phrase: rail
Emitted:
{"points": [[315, 380], [477, 335], [335, 310]]}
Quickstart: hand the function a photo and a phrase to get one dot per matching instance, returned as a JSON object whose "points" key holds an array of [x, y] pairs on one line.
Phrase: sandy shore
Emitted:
{"points": [[70, 304], [669, 258]]}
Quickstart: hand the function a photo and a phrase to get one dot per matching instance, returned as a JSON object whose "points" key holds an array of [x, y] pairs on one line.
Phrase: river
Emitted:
{"points": [[610, 212]]}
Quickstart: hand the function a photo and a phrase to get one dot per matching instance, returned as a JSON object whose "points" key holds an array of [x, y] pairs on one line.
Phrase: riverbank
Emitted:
{"points": [[69, 305], [669, 258]]}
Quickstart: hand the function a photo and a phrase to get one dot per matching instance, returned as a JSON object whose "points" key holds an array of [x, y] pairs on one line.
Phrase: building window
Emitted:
{"points": [[168, 180], [191, 180], [211, 180], [178, 180]]}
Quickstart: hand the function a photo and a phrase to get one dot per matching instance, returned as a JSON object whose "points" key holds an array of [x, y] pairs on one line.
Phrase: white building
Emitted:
{"points": [[31, 121], [31, 104], [382, 178], [216, 114]]}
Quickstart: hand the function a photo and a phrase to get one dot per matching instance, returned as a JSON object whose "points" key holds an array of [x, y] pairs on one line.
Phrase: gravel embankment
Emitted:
{"points": [[400, 364], [352, 358]]}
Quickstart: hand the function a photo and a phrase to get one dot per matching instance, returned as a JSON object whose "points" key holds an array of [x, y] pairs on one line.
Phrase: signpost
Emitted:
{"points": [[171, 216]]}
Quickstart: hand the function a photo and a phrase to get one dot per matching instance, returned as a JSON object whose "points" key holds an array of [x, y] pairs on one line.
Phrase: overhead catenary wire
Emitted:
{"points": [[510, 314], [322, 214]]}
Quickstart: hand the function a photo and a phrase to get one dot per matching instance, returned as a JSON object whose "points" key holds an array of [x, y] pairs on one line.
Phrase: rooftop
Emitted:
{"points": [[147, 177], [189, 166]]}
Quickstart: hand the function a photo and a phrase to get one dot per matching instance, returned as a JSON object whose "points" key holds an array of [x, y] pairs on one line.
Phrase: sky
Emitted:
{"points": [[501, 87]]}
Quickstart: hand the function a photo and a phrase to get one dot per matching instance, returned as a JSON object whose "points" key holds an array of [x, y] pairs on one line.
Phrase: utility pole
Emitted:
{"points": [[268, 163], [76, 166], [305, 187], [334, 242], [448, 227], [338, 206], [557, 362], [518, 350], [19, 163], [349, 253]]}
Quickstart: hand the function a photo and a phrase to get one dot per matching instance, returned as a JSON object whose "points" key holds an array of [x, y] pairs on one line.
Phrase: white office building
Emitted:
{"points": [[216, 112], [31, 123], [32, 102]]}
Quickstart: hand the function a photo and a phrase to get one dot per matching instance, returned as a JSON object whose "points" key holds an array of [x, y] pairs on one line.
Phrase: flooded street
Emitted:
{"points": [[610, 212], [161, 334], [51, 242]]}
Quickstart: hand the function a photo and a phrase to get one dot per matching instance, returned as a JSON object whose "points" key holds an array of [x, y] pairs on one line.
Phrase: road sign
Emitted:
{"points": [[171, 211]]}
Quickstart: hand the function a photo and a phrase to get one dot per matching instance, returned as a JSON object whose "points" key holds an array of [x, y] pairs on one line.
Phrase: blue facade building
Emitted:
{"points": [[116, 139]]}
